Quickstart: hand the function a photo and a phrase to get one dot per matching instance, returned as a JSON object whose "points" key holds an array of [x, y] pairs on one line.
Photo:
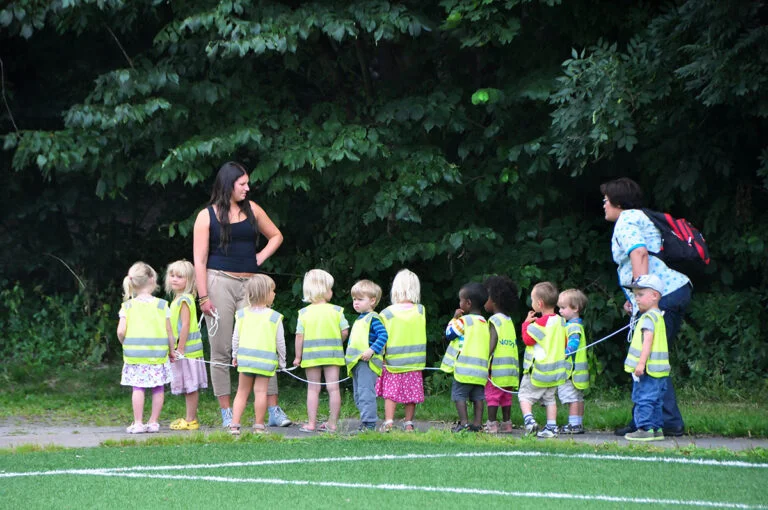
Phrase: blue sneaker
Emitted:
{"points": [[277, 417], [226, 417]]}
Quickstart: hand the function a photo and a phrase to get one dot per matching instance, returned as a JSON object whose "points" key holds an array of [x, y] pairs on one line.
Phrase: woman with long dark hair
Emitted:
{"points": [[226, 254]]}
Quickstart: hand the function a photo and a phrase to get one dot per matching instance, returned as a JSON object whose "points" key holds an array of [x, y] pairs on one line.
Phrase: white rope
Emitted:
{"points": [[287, 371], [212, 328], [602, 339]]}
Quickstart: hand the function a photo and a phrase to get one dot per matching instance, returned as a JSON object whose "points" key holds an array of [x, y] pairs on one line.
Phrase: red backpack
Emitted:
{"points": [[682, 245]]}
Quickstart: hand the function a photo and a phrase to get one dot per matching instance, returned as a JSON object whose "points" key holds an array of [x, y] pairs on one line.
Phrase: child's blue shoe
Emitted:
{"points": [[226, 417], [277, 417]]}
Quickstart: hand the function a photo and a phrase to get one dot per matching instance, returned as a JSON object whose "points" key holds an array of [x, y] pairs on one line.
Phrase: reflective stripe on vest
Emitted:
{"points": [[194, 346], [146, 339], [471, 365], [406, 349], [359, 343], [322, 335], [548, 370], [657, 364], [449, 359], [578, 367], [257, 331], [505, 363]]}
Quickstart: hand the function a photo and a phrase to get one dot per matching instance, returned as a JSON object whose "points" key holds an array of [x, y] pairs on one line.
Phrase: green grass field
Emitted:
{"points": [[369, 470]]}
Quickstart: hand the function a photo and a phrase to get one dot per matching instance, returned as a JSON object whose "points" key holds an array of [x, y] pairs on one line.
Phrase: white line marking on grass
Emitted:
{"points": [[410, 456], [449, 490]]}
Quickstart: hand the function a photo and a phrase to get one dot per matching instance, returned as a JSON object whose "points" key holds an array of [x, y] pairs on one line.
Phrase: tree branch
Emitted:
{"points": [[130, 62], [2, 86]]}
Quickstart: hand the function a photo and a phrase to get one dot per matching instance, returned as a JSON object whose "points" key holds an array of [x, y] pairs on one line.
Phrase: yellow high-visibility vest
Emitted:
{"points": [[547, 363], [358, 344], [472, 362], [194, 346], [657, 364], [146, 339], [505, 365], [406, 349], [322, 335], [577, 367], [257, 353]]}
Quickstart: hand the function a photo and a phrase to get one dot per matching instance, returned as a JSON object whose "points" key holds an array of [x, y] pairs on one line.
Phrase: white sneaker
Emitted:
{"points": [[136, 428], [548, 432], [531, 427]]}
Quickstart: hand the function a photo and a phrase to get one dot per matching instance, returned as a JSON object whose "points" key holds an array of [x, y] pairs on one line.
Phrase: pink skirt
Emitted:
{"points": [[405, 388], [188, 376]]}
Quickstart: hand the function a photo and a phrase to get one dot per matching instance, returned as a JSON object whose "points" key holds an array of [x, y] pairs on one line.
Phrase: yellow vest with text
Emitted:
{"points": [[546, 364], [257, 352], [146, 338], [406, 349], [577, 367], [358, 344], [657, 364], [472, 362], [322, 335], [505, 364], [194, 346]]}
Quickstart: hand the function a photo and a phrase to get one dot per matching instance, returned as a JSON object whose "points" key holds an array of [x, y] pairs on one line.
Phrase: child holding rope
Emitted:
{"points": [[504, 373], [320, 332], [405, 356], [144, 330], [189, 375], [364, 352], [572, 303], [258, 350]]}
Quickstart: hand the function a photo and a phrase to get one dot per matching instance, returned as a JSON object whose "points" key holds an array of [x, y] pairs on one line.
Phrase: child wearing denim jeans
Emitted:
{"points": [[648, 360]]}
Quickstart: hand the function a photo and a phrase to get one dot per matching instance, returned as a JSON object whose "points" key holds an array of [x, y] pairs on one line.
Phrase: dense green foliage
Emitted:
{"points": [[457, 138]]}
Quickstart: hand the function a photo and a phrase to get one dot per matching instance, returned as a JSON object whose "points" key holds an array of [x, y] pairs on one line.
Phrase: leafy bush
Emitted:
{"points": [[41, 332], [723, 340]]}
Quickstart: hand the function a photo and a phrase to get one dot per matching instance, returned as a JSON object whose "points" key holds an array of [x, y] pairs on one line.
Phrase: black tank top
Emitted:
{"points": [[240, 255]]}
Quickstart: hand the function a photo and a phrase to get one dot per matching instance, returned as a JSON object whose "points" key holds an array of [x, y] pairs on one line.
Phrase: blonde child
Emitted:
{"points": [[258, 349], [406, 352], [189, 375], [544, 362], [145, 332], [320, 332], [504, 375], [572, 303], [364, 351]]}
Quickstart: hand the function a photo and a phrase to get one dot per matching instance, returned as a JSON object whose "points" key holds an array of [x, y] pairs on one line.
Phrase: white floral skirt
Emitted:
{"points": [[146, 376]]}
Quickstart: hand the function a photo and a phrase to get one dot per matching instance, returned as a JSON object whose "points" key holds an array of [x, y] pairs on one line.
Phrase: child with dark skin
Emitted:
{"points": [[472, 297]]}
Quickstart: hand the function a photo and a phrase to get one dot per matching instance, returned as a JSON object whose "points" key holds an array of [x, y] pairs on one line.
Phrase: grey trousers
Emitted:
{"points": [[363, 385]]}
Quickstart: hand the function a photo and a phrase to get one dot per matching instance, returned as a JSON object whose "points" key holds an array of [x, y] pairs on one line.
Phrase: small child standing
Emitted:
{"points": [[572, 303], [320, 333], [405, 356], [648, 360], [258, 350], [544, 362], [504, 374], [145, 332], [471, 340], [363, 357], [189, 375]]}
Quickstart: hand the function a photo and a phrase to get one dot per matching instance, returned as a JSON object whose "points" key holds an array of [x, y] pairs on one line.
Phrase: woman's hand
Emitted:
{"points": [[207, 308]]}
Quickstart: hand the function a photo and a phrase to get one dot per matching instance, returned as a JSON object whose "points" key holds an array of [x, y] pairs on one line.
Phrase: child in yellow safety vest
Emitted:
{"points": [[504, 370], [364, 351], [320, 332], [648, 360], [544, 361], [189, 374], [468, 354], [572, 303], [405, 355], [145, 332], [258, 350]]}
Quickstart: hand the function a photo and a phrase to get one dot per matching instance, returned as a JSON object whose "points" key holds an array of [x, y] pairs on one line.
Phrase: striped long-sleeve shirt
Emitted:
{"points": [[377, 335]]}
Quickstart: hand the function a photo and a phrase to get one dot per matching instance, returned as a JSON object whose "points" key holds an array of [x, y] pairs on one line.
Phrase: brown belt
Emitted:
{"points": [[236, 276]]}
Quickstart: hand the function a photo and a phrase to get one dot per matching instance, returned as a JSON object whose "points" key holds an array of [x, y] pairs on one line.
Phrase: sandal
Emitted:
{"points": [[386, 426], [136, 428], [325, 428], [259, 428], [305, 428], [182, 424], [234, 429], [408, 426]]}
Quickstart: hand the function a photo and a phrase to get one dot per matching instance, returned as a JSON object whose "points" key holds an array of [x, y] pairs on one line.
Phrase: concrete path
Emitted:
{"points": [[17, 432]]}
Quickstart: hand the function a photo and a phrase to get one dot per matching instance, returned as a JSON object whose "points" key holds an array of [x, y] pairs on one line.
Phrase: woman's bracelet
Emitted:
{"points": [[202, 300]]}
